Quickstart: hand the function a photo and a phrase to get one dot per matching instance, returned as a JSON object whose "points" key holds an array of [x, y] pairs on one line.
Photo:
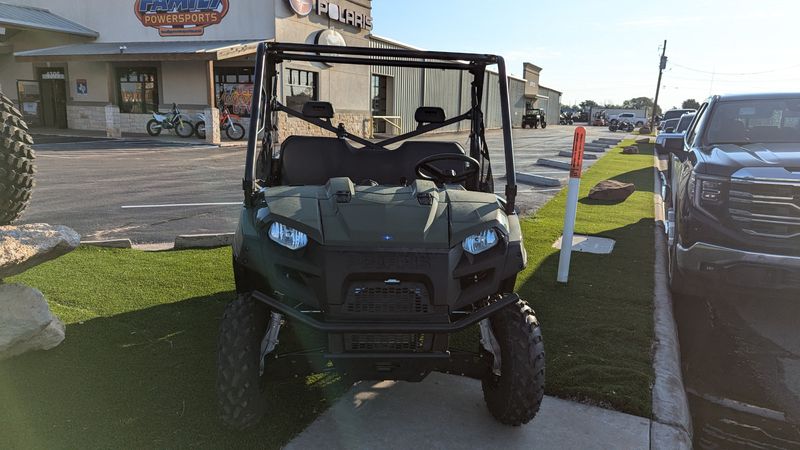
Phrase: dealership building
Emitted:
{"points": [[92, 64]]}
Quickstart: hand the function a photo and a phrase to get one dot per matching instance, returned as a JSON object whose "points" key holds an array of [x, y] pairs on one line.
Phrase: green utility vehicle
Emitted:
{"points": [[534, 118], [385, 250]]}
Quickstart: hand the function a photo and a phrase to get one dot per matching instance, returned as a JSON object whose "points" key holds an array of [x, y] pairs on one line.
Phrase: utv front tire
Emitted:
{"points": [[239, 385], [515, 396], [16, 162]]}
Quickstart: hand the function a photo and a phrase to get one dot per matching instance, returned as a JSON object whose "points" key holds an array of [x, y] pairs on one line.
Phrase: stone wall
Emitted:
{"points": [[356, 123], [81, 117]]}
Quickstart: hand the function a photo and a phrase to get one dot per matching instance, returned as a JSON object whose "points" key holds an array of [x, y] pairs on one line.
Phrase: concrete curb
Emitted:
{"points": [[568, 154], [671, 427], [538, 180], [109, 243], [553, 163], [187, 241]]}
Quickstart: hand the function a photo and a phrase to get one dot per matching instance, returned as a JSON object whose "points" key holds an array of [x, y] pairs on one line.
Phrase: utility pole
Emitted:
{"points": [[661, 66]]}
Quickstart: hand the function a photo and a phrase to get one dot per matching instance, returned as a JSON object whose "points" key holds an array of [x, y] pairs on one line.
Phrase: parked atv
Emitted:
{"points": [[565, 119], [621, 126], [16, 162], [534, 118], [386, 252]]}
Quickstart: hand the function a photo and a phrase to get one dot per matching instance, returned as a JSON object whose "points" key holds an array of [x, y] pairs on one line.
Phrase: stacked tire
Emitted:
{"points": [[16, 162]]}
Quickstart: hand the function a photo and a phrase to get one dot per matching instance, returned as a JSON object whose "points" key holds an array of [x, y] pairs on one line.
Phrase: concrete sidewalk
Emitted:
{"points": [[448, 412]]}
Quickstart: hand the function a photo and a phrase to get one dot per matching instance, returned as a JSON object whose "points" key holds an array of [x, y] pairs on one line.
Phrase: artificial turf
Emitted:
{"points": [[598, 329], [138, 366]]}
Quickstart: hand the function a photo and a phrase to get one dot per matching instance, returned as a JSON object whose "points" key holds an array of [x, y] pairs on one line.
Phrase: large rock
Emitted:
{"points": [[631, 150], [611, 190], [645, 130], [26, 323], [25, 246]]}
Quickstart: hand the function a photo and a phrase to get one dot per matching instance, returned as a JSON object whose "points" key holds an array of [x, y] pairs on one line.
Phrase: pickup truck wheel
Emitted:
{"points": [[239, 385], [16, 162], [515, 396]]}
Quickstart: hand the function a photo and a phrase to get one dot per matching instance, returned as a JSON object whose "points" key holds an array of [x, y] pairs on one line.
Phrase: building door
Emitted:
{"points": [[379, 101], [53, 92]]}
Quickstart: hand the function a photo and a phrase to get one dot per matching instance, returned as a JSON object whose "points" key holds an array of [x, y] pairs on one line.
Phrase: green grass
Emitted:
{"points": [[598, 328], [138, 366]]}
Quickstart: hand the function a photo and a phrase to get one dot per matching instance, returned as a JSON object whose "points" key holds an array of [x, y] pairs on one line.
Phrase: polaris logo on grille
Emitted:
{"points": [[390, 263]]}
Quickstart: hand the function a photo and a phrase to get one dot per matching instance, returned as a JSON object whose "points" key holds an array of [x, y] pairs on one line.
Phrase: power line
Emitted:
{"points": [[713, 72]]}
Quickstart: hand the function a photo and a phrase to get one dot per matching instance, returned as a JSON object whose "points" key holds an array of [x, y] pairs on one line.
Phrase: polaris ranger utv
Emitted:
{"points": [[386, 250]]}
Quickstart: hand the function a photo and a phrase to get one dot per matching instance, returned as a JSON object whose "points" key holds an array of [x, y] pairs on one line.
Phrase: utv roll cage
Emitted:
{"points": [[265, 105]]}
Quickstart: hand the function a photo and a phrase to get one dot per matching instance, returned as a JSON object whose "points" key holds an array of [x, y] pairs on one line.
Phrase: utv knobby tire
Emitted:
{"points": [[515, 396], [239, 386], [16, 162]]}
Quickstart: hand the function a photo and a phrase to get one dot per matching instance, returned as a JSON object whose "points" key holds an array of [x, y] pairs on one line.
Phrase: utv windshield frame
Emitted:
{"points": [[265, 104]]}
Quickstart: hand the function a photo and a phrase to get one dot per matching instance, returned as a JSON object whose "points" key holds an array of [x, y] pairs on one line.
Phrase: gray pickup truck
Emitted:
{"points": [[732, 194]]}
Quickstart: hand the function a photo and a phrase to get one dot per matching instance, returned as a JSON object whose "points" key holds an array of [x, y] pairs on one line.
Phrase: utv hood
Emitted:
{"points": [[413, 216], [726, 159]]}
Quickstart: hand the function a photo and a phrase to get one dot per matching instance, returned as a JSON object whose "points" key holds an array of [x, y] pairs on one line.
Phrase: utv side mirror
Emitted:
{"points": [[671, 144]]}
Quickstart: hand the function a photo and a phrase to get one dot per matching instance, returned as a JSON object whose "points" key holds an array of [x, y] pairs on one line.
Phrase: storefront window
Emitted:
{"points": [[138, 89], [30, 101], [301, 87], [234, 86]]}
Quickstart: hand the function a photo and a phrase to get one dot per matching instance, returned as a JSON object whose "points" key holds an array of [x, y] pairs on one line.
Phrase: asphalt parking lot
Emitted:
{"points": [[153, 190]]}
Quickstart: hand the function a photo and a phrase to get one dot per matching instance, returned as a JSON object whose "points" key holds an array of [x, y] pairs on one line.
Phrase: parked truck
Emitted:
{"points": [[731, 194]]}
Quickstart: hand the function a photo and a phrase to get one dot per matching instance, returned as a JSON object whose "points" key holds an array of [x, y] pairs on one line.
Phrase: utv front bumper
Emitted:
{"points": [[387, 327]]}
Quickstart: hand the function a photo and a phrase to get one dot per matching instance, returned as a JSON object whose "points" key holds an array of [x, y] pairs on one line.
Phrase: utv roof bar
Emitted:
{"points": [[271, 53], [281, 47], [372, 327]]}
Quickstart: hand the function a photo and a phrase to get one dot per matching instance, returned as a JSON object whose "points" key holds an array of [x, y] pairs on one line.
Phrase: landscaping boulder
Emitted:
{"points": [[611, 190], [25, 246], [645, 130], [26, 322], [645, 140], [631, 150]]}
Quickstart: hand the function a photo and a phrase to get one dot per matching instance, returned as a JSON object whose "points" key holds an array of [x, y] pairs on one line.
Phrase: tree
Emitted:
{"points": [[645, 103], [690, 104], [588, 104]]}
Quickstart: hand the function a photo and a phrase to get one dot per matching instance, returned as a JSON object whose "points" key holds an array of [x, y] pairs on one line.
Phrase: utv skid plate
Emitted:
{"points": [[408, 366]]}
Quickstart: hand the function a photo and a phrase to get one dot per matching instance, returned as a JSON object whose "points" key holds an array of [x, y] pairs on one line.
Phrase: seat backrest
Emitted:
{"points": [[312, 160]]}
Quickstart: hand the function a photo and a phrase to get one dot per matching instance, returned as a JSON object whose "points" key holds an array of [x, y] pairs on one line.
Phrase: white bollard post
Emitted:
{"points": [[572, 204]]}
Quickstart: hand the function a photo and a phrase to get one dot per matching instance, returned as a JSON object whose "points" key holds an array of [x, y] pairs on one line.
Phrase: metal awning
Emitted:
{"points": [[30, 18], [142, 51]]}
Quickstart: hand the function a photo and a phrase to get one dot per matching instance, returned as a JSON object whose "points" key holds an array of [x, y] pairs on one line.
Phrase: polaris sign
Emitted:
{"points": [[344, 15], [180, 17]]}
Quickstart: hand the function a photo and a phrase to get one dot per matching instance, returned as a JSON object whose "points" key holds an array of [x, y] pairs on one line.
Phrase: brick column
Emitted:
{"points": [[213, 135], [113, 122]]}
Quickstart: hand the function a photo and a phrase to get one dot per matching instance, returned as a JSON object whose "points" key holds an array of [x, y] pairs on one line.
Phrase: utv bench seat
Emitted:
{"points": [[313, 160]]}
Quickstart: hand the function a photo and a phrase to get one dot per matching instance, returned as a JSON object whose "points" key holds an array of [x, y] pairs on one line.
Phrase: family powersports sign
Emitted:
{"points": [[181, 17]]}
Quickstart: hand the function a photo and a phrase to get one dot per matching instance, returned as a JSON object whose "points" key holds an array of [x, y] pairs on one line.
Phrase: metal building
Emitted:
{"points": [[397, 92]]}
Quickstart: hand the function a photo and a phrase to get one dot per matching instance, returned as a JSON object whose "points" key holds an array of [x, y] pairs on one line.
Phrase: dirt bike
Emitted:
{"points": [[175, 120], [229, 123]]}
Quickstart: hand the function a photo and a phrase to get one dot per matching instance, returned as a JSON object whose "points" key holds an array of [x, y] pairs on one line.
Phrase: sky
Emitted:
{"points": [[595, 50]]}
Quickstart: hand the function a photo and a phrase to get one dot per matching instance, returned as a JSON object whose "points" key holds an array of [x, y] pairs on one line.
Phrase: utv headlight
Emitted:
{"points": [[287, 236], [480, 242]]}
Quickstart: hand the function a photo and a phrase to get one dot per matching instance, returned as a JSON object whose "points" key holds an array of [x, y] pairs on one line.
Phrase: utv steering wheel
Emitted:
{"points": [[427, 171]]}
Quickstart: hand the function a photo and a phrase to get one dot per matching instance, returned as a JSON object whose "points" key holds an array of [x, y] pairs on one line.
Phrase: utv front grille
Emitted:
{"points": [[378, 297], [384, 342], [766, 209]]}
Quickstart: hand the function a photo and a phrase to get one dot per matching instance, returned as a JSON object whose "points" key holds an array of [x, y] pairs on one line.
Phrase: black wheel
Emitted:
{"points": [[200, 129], [16, 162], [235, 132], [153, 127], [239, 385], [544, 125], [184, 129], [639, 123], [536, 125], [515, 396]]}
